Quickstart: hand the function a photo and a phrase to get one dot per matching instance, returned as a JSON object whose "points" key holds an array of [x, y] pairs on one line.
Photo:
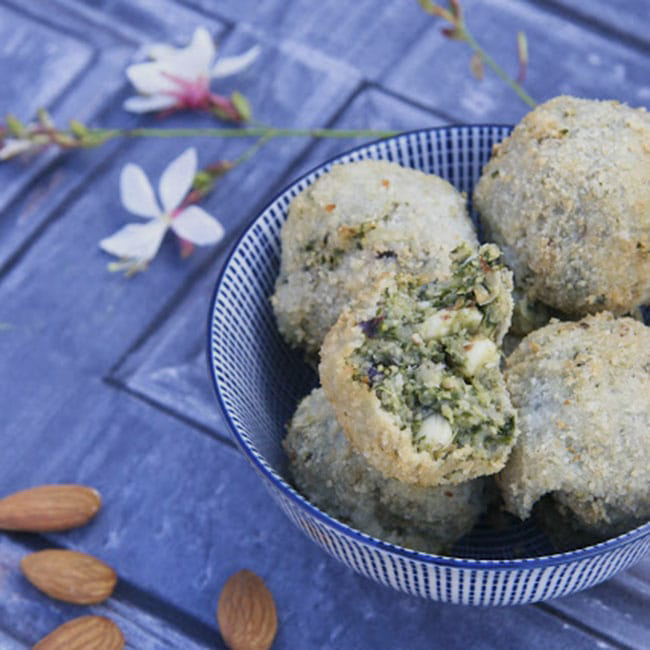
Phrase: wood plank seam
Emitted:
{"points": [[35, 14], [223, 438], [290, 173], [69, 87], [56, 211], [93, 18], [125, 593], [591, 23], [208, 13], [226, 243], [168, 309], [436, 112], [215, 13], [128, 33], [586, 628]]}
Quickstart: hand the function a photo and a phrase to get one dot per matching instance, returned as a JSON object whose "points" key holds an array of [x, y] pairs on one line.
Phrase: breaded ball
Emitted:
{"points": [[567, 198], [412, 371], [354, 223], [341, 482], [582, 394]]}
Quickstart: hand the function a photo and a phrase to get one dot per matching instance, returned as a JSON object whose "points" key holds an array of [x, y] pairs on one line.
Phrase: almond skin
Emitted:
{"points": [[246, 613], [84, 633], [48, 508], [71, 576]]}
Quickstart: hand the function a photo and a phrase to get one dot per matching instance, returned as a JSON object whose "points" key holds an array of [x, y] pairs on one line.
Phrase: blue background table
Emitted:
{"points": [[104, 380]]}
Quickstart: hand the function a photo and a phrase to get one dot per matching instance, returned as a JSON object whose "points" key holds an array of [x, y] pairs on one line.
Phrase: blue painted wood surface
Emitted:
{"points": [[104, 379]]}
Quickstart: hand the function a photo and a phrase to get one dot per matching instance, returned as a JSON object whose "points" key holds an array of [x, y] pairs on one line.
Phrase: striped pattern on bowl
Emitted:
{"points": [[259, 381]]}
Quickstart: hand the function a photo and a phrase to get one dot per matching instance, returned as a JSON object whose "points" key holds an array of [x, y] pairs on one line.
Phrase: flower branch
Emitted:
{"points": [[180, 188], [175, 79], [458, 31], [17, 138]]}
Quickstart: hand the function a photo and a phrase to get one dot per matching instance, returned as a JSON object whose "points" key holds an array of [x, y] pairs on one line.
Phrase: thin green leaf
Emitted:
{"points": [[242, 106], [522, 54], [14, 125]]}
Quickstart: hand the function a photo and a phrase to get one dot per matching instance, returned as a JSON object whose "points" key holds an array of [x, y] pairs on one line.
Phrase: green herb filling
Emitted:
{"points": [[431, 357]]}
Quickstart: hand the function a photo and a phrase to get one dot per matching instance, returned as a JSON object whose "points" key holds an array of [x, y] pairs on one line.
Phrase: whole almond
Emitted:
{"points": [[48, 508], [246, 612], [69, 575], [84, 633]]}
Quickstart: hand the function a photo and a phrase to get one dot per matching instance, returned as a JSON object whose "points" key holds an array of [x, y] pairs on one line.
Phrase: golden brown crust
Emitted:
{"points": [[375, 432]]}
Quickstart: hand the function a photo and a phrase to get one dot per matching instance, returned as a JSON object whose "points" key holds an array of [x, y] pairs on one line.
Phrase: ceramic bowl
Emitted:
{"points": [[259, 381]]}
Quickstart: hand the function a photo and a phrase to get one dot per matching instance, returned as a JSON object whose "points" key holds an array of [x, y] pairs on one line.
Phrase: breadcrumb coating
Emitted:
{"points": [[412, 371], [567, 198], [341, 482], [582, 390], [356, 222]]}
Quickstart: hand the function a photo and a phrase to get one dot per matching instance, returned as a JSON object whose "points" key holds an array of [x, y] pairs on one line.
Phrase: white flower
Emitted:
{"points": [[180, 77], [14, 147], [137, 244]]}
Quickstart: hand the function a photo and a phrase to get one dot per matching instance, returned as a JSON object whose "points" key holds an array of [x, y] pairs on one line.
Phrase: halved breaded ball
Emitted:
{"points": [[342, 483], [412, 370], [582, 394], [567, 198], [354, 223]]}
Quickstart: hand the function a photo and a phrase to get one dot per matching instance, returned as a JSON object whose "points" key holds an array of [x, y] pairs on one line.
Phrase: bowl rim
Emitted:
{"points": [[268, 473]]}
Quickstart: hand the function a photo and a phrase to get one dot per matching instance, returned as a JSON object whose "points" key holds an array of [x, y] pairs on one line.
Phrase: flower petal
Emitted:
{"points": [[229, 65], [177, 179], [150, 78], [136, 192], [158, 51], [14, 147], [144, 104], [136, 241], [194, 224], [196, 59]]}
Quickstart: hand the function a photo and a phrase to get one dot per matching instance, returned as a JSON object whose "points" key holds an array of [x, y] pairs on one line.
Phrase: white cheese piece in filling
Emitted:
{"points": [[449, 321], [430, 374], [437, 325], [479, 353], [436, 431]]}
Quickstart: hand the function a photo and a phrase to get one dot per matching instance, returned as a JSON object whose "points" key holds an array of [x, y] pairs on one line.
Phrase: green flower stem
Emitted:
{"points": [[458, 32], [464, 34], [251, 151], [96, 137], [255, 131]]}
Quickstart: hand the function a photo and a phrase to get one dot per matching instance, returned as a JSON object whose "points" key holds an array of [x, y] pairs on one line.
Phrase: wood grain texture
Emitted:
{"points": [[370, 36], [372, 108], [618, 608], [182, 510], [37, 53], [170, 368], [32, 191], [621, 18], [24, 618], [141, 21], [8, 642]]}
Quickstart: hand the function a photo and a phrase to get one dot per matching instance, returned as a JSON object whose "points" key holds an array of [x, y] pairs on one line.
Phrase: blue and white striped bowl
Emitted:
{"points": [[259, 381]]}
